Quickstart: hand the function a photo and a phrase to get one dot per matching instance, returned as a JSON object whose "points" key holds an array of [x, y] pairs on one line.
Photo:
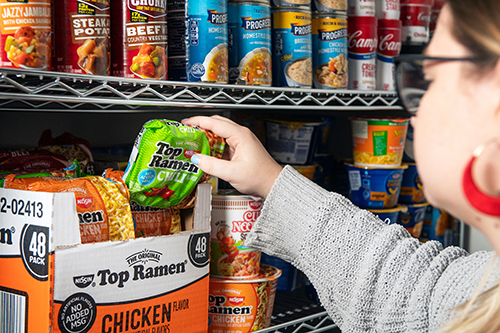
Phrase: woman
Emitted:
{"points": [[372, 277]]}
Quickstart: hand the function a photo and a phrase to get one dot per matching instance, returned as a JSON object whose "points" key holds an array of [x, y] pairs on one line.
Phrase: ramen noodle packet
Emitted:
{"points": [[160, 172], [151, 221], [70, 147], [102, 205], [73, 171], [31, 160]]}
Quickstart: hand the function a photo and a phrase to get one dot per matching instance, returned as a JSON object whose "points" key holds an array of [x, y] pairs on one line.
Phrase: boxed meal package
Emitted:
{"points": [[56, 284]]}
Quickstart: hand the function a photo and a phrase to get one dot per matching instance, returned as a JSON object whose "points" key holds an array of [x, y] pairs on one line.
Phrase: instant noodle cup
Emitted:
{"points": [[436, 222], [412, 218], [233, 216], [306, 170], [379, 142], [412, 189], [374, 187], [389, 216], [408, 154], [242, 306], [291, 142]]}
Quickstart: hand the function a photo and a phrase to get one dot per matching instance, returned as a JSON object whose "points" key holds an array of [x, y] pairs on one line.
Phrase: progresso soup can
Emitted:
{"points": [[250, 43], [329, 6], [206, 47], [329, 37], [233, 216], [292, 47], [82, 37], [26, 34], [139, 39]]}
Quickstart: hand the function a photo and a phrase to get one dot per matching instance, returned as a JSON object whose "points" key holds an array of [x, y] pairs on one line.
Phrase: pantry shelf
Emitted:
{"points": [[54, 91]]}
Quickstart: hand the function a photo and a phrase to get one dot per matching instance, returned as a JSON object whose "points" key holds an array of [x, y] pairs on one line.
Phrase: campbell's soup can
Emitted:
{"points": [[361, 7], [388, 10], [250, 43], [292, 47], [82, 37], [329, 6], [389, 46], [206, 47], [329, 36], [26, 34], [362, 50], [242, 306], [233, 216], [436, 10], [139, 39], [416, 17]]}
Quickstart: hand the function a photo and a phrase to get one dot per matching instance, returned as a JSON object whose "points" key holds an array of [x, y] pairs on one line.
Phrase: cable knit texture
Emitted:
{"points": [[370, 277]]}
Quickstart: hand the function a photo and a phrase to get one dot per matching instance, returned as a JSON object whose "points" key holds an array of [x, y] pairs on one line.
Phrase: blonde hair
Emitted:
{"points": [[476, 25]]}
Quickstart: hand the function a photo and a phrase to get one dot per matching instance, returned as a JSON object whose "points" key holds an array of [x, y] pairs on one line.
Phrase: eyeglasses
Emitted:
{"points": [[411, 84]]}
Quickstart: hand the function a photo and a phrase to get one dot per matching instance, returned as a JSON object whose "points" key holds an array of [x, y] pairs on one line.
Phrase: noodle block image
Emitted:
{"points": [[28, 47], [246, 303], [94, 56], [150, 62], [233, 216], [374, 188], [378, 142]]}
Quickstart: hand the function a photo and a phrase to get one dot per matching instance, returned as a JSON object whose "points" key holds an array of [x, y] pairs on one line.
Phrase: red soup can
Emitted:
{"points": [[389, 46], [436, 10], [82, 36], [25, 38], [416, 16], [361, 8], [362, 50], [139, 39]]}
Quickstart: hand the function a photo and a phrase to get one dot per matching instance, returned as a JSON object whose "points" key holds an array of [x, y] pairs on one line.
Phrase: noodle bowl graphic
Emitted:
{"points": [[225, 272], [292, 83]]}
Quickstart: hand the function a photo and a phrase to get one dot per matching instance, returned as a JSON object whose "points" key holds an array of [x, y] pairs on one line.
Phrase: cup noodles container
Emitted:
{"points": [[416, 16], [26, 34], [362, 50], [388, 9], [207, 37], [291, 142], [361, 8], [378, 142], [139, 39], [242, 306], [412, 218], [374, 188], [388, 216], [412, 189], [389, 46], [82, 37], [305, 170], [233, 216]]}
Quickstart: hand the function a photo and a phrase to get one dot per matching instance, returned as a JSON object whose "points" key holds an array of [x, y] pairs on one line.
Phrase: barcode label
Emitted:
{"points": [[301, 153], [355, 180], [13, 309]]}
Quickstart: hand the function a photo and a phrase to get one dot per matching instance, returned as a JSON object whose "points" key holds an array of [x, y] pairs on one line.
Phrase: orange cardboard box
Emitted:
{"points": [[51, 283]]}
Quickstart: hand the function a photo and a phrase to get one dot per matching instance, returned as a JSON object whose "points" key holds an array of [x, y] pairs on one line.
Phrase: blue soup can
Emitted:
{"points": [[412, 189], [206, 45], [329, 38], [374, 187], [292, 46], [250, 42]]}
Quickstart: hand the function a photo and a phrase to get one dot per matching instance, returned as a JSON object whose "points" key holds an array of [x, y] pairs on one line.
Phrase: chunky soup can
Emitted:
{"points": [[250, 43], [82, 36], [233, 216], [26, 34], [139, 39], [292, 47], [329, 37], [242, 306], [206, 45]]}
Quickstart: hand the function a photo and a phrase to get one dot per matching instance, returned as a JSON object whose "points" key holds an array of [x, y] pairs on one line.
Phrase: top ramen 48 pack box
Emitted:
{"points": [[49, 282]]}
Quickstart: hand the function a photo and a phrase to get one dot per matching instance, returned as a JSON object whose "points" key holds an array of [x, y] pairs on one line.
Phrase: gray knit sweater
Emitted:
{"points": [[370, 277]]}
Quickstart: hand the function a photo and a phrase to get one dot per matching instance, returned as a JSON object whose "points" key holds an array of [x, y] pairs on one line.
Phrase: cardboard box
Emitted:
{"points": [[51, 283]]}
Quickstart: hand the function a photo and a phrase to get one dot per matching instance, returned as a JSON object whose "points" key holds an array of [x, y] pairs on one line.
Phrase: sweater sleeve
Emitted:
{"points": [[370, 277]]}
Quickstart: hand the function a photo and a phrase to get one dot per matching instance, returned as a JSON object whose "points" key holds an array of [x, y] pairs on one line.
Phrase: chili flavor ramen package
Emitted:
{"points": [[160, 173]]}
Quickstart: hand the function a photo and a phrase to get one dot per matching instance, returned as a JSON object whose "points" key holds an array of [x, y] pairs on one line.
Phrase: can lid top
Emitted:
{"points": [[363, 20], [396, 24], [418, 2]]}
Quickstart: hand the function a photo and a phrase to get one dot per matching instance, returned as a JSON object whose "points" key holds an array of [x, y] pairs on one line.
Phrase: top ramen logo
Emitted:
{"points": [[151, 8], [84, 202], [389, 46], [143, 257], [362, 45]]}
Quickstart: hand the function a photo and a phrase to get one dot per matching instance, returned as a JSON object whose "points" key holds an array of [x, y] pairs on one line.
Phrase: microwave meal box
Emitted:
{"points": [[56, 284]]}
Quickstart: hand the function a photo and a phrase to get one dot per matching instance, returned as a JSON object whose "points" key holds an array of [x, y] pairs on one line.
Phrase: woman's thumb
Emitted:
{"points": [[210, 165]]}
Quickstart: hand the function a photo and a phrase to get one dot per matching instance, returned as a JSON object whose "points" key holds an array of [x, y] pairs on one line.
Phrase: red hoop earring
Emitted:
{"points": [[481, 201]]}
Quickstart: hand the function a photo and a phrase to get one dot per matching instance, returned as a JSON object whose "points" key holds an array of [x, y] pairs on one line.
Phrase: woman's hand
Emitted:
{"points": [[248, 168]]}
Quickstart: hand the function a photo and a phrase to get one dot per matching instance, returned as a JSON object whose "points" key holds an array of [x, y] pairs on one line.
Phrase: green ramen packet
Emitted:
{"points": [[160, 173]]}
